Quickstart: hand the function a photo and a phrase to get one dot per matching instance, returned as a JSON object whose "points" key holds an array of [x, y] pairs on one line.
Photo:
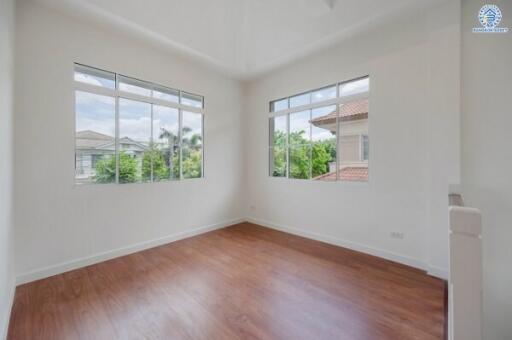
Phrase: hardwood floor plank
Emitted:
{"points": [[241, 282]]}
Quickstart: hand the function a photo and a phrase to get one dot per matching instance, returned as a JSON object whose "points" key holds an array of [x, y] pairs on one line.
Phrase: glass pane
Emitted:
{"points": [[353, 120], [279, 105], [355, 87], [278, 161], [192, 140], [323, 94], [301, 99], [278, 130], [93, 76], [165, 125], [164, 162], [192, 128], [163, 93], [94, 138], [300, 127], [192, 162], [323, 135], [134, 141], [134, 86], [300, 162], [165, 143], [191, 100], [366, 148]]}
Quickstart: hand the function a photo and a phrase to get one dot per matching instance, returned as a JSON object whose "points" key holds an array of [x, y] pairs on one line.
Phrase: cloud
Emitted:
{"points": [[354, 87], [104, 127], [192, 121], [94, 106], [320, 134], [88, 79], [136, 129], [300, 121]]}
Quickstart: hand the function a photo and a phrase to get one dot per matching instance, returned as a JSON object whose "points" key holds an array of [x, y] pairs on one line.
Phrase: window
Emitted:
{"points": [[134, 141], [191, 100], [278, 143], [166, 143], [192, 145], [134, 86], [323, 94], [163, 93], [321, 134], [95, 77], [131, 131], [95, 136], [279, 105], [365, 148], [300, 100]]}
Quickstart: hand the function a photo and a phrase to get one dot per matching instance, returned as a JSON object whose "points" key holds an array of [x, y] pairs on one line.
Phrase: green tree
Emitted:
{"points": [[300, 155], [191, 155], [305, 159], [192, 159], [160, 168], [106, 169], [192, 141], [156, 160], [320, 159], [300, 164], [279, 154], [171, 155], [279, 166], [176, 165]]}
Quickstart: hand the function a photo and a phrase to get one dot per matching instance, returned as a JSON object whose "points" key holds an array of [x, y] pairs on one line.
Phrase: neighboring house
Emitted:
{"points": [[353, 145], [92, 146]]}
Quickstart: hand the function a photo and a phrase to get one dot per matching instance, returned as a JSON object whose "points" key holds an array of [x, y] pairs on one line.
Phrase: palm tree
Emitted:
{"points": [[173, 142], [195, 139]]}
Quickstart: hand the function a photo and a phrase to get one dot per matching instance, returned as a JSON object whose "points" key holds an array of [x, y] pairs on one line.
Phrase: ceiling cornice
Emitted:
{"points": [[240, 70]]}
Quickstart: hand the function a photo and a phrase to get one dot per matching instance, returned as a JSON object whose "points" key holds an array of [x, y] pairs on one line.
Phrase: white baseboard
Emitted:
{"points": [[100, 257], [5, 323], [439, 272], [108, 255], [388, 255]]}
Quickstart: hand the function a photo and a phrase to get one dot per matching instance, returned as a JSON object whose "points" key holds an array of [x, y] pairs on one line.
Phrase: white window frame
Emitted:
{"points": [[338, 100], [361, 147], [117, 94]]}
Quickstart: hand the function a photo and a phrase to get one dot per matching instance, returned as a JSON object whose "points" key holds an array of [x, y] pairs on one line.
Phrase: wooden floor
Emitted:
{"points": [[241, 282]]}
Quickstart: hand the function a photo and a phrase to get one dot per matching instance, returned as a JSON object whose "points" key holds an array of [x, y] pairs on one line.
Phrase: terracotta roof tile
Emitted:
{"points": [[351, 173], [349, 111]]}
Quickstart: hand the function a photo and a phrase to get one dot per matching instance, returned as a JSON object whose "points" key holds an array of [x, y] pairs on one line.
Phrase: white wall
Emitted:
{"points": [[487, 158], [414, 138], [57, 222], [6, 114], [414, 66], [413, 128]]}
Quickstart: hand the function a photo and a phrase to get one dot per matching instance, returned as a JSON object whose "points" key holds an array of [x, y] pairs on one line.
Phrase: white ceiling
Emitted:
{"points": [[241, 37]]}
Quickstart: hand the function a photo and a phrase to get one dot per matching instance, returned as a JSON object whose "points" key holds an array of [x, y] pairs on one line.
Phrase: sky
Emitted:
{"points": [[97, 113], [326, 93], [300, 121]]}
